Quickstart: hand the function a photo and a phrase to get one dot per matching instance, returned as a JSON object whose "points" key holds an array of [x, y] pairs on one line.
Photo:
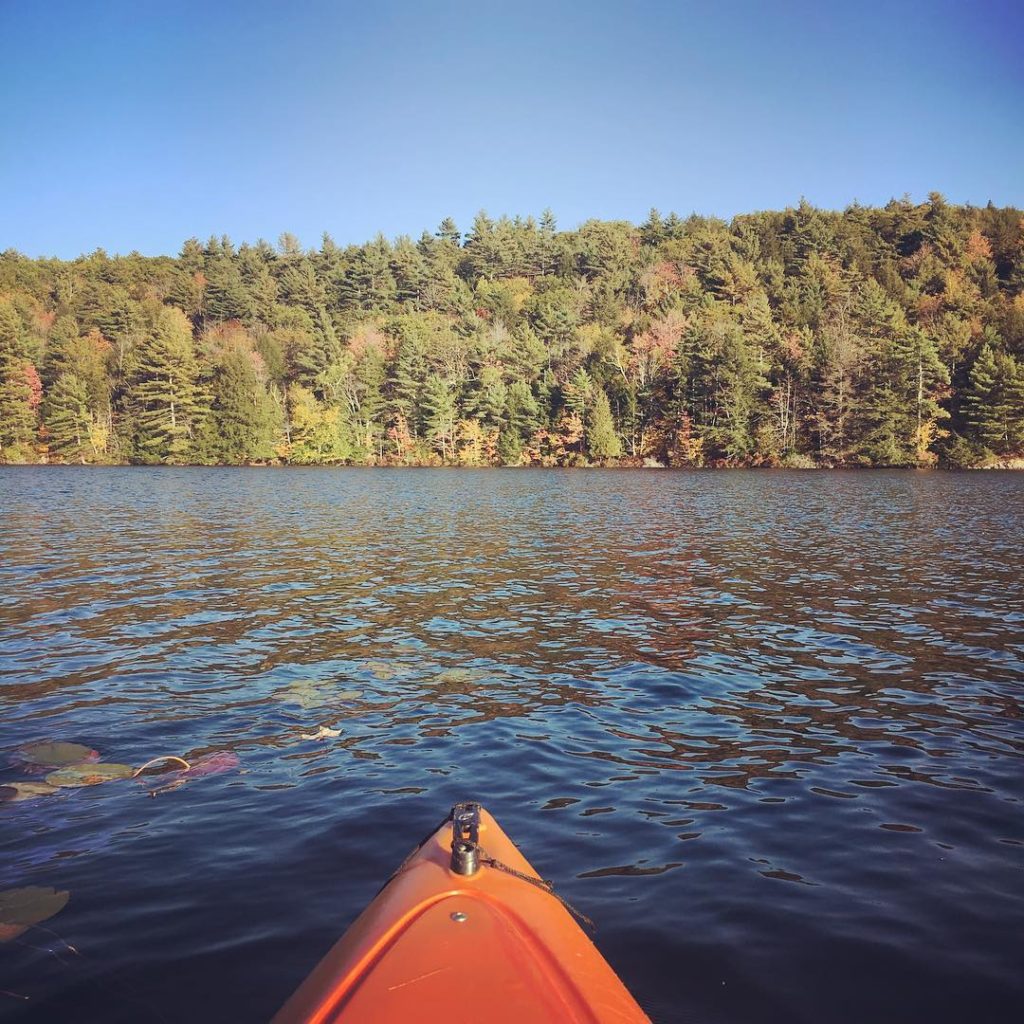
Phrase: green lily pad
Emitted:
{"points": [[307, 693], [55, 755], [458, 677], [15, 792], [89, 774], [20, 909]]}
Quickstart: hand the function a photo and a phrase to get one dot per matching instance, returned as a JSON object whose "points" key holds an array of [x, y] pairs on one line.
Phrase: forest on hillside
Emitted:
{"points": [[889, 336]]}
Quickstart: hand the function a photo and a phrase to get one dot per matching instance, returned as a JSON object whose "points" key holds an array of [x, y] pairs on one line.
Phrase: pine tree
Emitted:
{"points": [[652, 231], [481, 250], [226, 297], [409, 272], [243, 422], [20, 390], [369, 282], [448, 232], [579, 393], [13, 341], [1013, 397], [521, 419], [19, 387], [439, 414], [487, 403], [993, 403], [847, 336], [188, 291], [309, 343], [738, 385], [258, 283], [60, 343], [602, 439], [68, 420], [366, 403], [409, 374], [165, 399]]}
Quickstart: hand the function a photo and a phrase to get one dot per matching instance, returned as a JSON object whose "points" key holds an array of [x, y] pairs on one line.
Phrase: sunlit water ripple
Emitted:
{"points": [[764, 728]]}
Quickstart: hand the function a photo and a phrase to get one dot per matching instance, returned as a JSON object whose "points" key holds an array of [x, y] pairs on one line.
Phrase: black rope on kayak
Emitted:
{"points": [[544, 884], [416, 849], [465, 818]]}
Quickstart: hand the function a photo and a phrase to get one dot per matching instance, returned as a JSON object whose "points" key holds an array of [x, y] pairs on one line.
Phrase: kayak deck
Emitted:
{"points": [[436, 944]]}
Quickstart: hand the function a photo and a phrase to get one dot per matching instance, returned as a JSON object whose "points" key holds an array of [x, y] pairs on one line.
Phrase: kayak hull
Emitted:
{"points": [[436, 945]]}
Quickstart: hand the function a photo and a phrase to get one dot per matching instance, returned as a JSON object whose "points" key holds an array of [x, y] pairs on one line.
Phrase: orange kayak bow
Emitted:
{"points": [[465, 931]]}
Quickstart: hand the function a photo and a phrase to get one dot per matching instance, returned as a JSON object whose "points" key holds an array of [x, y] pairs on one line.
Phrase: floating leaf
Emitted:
{"points": [[55, 755], [20, 909], [15, 792], [89, 774], [323, 733]]}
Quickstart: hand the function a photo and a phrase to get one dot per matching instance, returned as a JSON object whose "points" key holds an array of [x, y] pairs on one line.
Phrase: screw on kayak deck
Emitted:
{"points": [[465, 839], [459, 917]]}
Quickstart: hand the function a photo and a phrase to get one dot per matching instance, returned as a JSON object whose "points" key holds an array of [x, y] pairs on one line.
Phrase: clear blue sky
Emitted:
{"points": [[133, 124]]}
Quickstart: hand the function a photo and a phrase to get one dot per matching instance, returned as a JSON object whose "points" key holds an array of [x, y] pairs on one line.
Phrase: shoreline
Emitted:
{"points": [[1006, 465]]}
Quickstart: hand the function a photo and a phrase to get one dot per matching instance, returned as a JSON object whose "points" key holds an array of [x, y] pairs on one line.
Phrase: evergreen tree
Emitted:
{"points": [[165, 400], [994, 402], [188, 292], [68, 421], [20, 391], [20, 388], [407, 383], [521, 419], [370, 282], [602, 438], [225, 294], [487, 403], [244, 420], [13, 337], [448, 232], [868, 336], [579, 393], [439, 414]]}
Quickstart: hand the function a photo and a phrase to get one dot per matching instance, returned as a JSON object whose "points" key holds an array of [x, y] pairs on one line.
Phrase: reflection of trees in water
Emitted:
{"points": [[792, 659], [732, 738]]}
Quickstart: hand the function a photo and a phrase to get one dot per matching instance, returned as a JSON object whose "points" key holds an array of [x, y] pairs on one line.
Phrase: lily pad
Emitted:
{"points": [[458, 677], [20, 909], [15, 792], [89, 774], [307, 693], [56, 755]]}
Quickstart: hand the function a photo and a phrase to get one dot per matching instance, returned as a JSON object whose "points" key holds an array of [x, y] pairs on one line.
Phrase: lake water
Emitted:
{"points": [[763, 727]]}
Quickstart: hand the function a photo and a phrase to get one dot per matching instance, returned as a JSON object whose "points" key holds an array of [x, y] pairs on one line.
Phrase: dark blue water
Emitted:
{"points": [[764, 728]]}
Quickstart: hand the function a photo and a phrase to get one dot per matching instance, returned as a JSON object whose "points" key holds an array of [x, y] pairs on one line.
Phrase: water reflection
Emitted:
{"points": [[728, 693]]}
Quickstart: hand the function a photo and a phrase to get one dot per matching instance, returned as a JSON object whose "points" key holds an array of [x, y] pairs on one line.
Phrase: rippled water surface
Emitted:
{"points": [[764, 728]]}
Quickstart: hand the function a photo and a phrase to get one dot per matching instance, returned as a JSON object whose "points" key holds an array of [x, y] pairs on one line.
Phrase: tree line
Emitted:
{"points": [[875, 336]]}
